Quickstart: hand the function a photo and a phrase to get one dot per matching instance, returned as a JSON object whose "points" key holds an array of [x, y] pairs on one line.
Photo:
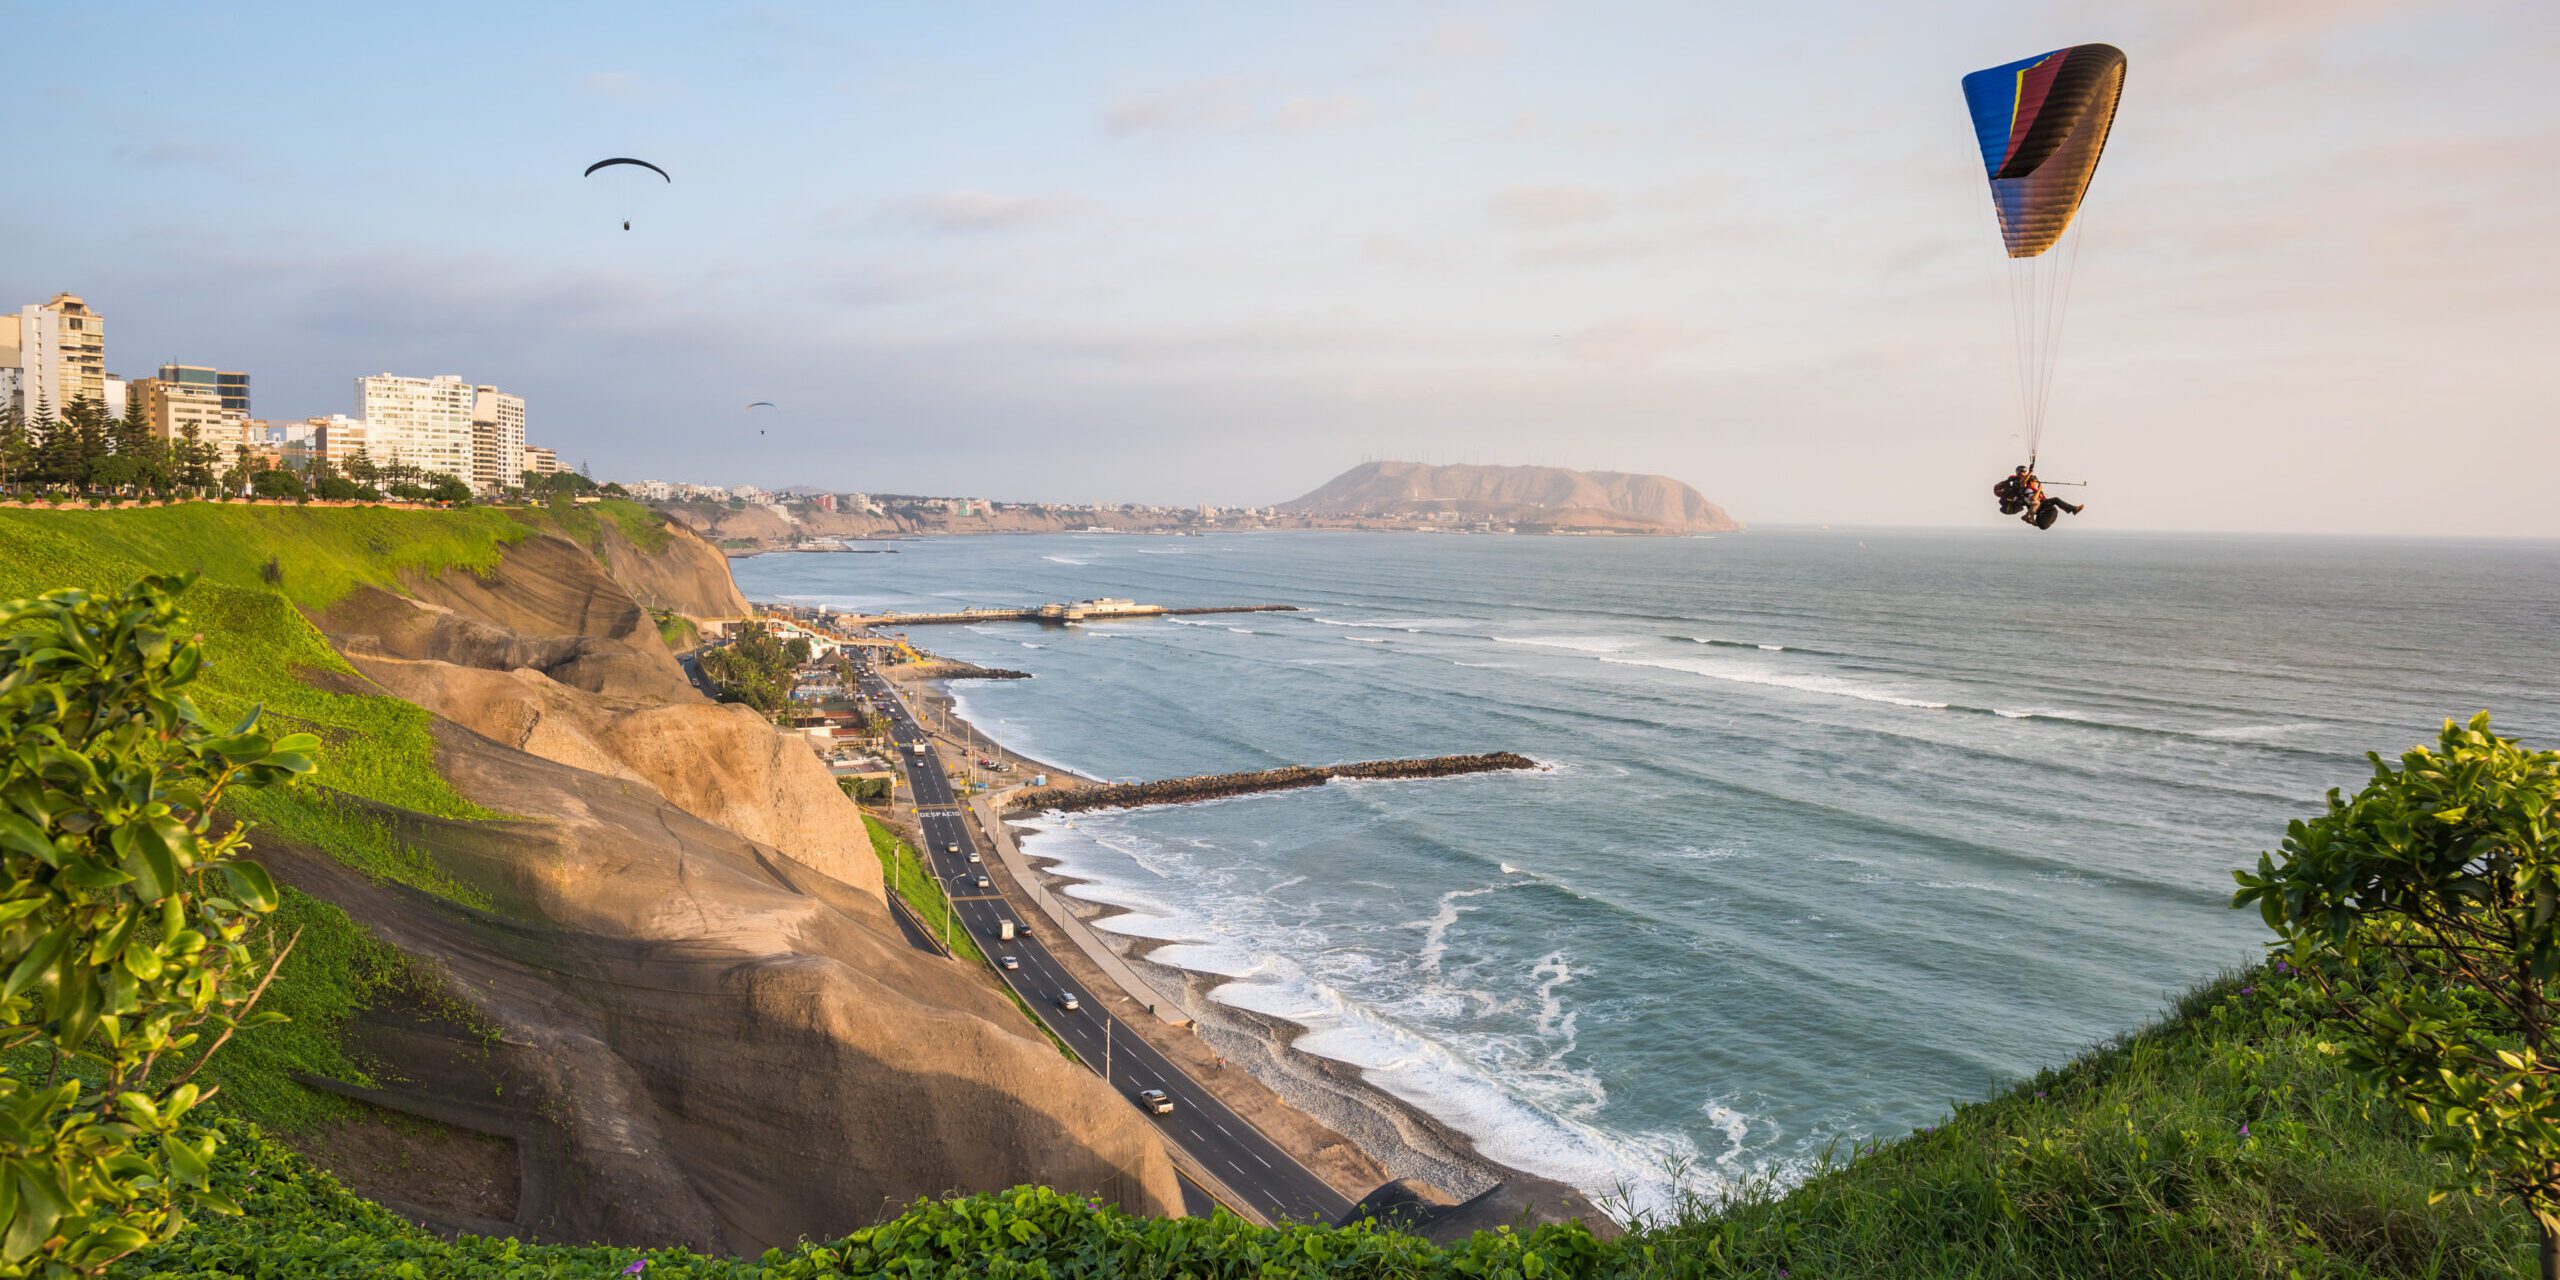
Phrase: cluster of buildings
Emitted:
{"points": [[54, 353], [913, 506]]}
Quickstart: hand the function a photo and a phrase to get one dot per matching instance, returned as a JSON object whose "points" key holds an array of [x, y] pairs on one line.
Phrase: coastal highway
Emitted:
{"points": [[1252, 1166]]}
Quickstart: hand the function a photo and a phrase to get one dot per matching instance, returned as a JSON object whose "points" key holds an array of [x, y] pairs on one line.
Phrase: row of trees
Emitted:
{"points": [[756, 667], [86, 452]]}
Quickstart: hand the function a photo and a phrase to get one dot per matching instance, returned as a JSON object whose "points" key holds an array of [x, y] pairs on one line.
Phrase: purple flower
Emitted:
{"points": [[2039, 1093], [636, 1268], [2248, 991], [2244, 1128]]}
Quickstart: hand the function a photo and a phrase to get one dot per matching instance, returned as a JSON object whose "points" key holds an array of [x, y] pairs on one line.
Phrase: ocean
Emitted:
{"points": [[1841, 826]]}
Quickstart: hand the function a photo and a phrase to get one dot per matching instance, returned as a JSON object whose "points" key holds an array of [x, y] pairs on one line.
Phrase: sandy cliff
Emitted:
{"points": [[694, 1021]]}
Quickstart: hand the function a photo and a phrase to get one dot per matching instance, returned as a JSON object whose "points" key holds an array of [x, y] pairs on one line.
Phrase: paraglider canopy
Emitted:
{"points": [[2042, 123], [606, 164], [762, 404], [621, 195]]}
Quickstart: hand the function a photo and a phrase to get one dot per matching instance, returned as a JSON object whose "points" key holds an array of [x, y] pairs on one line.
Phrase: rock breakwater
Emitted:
{"points": [[1217, 786]]}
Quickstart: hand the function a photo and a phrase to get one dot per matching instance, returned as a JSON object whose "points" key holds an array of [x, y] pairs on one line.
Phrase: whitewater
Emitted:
{"points": [[1841, 826]]}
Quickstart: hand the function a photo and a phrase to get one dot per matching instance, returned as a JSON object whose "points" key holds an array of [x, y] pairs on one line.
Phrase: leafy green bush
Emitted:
{"points": [[125, 921]]}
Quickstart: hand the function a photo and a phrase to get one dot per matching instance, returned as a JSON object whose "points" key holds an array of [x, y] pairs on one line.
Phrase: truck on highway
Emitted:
{"points": [[918, 748], [1004, 931]]}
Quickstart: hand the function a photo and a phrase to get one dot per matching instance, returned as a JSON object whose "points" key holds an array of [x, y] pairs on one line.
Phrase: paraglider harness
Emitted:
{"points": [[2018, 491], [2021, 494]]}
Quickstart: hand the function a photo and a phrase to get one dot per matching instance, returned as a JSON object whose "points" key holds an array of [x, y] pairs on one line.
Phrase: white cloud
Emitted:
{"points": [[972, 210], [1230, 103], [1543, 207], [1632, 342]]}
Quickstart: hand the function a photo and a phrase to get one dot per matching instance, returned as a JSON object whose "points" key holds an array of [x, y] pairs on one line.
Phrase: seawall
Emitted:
{"points": [[1217, 786]]}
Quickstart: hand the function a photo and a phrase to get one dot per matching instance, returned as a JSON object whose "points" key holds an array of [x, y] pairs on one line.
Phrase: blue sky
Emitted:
{"points": [[1218, 252]]}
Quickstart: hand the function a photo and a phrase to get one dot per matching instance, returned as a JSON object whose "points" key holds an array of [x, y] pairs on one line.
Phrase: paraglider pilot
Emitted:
{"points": [[2023, 496]]}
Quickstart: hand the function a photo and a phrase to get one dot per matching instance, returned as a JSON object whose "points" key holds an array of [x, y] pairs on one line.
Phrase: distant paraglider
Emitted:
{"points": [[762, 404], [623, 160], [2042, 123]]}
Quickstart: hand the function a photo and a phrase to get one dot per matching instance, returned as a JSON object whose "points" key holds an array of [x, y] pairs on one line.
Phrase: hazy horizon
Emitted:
{"points": [[1172, 255]]}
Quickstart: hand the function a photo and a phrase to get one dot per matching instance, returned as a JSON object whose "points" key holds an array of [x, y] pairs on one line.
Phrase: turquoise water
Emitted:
{"points": [[1841, 826]]}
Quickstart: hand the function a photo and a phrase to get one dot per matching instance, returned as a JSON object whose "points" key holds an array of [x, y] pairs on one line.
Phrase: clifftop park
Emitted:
{"points": [[590, 970], [1379, 496]]}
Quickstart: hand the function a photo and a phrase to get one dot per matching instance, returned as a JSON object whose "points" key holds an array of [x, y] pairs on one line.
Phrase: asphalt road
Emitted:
{"points": [[1253, 1166]]}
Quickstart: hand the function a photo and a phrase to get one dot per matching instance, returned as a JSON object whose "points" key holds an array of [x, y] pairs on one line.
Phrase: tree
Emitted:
{"points": [[17, 448], [126, 922], [52, 443], [275, 482], [2427, 909], [192, 458], [84, 434]]}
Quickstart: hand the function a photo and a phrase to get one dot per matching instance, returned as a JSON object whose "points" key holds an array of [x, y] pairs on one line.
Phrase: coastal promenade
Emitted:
{"points": [[1244, 1167]]}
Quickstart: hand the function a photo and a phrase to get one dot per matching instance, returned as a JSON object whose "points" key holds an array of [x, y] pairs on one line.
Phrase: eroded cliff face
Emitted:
{"points": [[698, 1023], [687, 575]]}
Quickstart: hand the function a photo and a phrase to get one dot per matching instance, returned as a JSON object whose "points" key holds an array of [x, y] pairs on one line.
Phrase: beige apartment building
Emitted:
{"points": [[425, 422], [540, 462], [497, 440], [60, 351], [183, 397]]}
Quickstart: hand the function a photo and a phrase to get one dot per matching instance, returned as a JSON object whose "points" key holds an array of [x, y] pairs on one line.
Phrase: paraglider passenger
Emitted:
{"points": [[2023, 496]]}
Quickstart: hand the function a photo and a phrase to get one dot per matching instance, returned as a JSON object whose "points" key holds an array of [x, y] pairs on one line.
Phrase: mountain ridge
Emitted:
{"points": [[1556, 498]]}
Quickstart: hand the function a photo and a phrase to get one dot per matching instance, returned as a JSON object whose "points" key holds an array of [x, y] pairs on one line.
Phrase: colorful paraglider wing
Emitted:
{"points": [[2042, 123], [605, 164]]}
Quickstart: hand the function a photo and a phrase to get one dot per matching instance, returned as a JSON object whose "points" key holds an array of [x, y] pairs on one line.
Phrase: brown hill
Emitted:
{"points": [[684, 1014], [1553, 497]]}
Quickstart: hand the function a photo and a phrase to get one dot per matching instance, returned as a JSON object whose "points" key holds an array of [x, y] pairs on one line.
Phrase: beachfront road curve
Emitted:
{"points": [[1251, 1164]]}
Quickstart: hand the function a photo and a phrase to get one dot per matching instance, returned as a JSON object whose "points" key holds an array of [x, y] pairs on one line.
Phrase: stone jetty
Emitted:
{"points": [[1214, 786]]}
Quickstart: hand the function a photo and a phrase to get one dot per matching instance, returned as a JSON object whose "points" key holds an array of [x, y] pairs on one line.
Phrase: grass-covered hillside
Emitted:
{"points": [[2223, 1142], [262, 566]]}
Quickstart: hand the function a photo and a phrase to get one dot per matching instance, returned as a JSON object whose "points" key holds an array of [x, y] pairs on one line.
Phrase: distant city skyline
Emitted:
{"points": [[1169, 255]]}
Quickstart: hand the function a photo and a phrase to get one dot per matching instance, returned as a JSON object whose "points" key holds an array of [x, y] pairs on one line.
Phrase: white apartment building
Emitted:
{"points": [[60, 351], [425, 422], [540, 462], [497, 440]]}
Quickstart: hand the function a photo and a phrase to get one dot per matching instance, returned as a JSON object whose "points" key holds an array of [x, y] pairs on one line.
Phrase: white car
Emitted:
{"points": [[1067, 1001], [1008, 963], [985, 883], [973, 856], [954, 848]]}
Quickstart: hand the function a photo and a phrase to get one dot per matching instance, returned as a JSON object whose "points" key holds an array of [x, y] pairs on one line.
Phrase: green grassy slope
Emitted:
{"points": [[261, 566], [2223, 1142]]}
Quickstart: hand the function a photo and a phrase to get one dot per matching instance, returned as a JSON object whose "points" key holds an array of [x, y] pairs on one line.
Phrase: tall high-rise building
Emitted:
{"points": [[497, 440], [60, 351], [235, 393], [425, 422]]}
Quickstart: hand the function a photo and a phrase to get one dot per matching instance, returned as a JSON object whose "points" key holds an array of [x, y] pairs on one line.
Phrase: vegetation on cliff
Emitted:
{"points": [[755, 667]]}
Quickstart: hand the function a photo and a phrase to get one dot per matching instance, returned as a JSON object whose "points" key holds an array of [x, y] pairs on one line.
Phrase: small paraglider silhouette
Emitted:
{"points": [[617, 160], [762, 404]]}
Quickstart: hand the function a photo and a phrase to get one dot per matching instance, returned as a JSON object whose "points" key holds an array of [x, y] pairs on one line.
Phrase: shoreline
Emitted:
{"points": [[1399, 1136]]}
